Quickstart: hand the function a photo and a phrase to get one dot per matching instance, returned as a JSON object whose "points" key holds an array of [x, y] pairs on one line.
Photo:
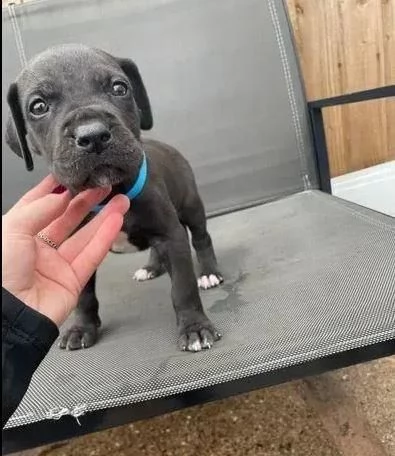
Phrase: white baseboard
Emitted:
{"points": [[371, 187]]}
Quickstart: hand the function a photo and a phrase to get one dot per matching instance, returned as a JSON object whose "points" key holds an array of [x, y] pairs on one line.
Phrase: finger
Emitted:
{"points": [[45, 187], [33, 217], [61, 228], [72, 247], [97, 248]]}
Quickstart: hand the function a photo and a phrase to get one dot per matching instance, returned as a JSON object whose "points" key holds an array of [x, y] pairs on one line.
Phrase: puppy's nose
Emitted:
{"points": [[92, 137]]}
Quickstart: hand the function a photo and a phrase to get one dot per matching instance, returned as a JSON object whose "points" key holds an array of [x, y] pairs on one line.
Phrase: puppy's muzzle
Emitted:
{"points": [[92, 137]]}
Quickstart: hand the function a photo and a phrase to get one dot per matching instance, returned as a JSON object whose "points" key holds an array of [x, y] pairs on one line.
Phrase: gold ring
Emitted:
{"points": [[46, 239]]}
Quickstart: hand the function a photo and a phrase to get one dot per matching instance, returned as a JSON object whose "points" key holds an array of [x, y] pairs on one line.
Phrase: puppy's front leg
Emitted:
{"points": [[196, 332], [83, 333]]}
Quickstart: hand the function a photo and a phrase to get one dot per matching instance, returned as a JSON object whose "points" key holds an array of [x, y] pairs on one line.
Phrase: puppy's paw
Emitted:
{"points": [[141, 275], [198, 335], [79, 336], [209, 281], [148, 272]]}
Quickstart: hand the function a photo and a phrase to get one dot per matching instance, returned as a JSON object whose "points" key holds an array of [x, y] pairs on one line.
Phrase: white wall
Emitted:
{"points": [[371, 187]]}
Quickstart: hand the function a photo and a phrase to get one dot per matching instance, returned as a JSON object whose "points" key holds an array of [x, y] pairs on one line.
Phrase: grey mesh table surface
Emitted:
{"points": [[305, 277]]}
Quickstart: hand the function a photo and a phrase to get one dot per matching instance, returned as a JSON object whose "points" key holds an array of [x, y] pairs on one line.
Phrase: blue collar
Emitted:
{"points": [[137, 187]]}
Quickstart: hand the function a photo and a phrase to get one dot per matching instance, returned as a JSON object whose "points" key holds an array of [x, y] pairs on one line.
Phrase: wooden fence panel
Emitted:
{"points": [[345, 46]]}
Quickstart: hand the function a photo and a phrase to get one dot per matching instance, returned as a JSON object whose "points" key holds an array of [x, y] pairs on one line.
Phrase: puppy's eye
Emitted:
{"points": [[119, 89], [38, 107]]}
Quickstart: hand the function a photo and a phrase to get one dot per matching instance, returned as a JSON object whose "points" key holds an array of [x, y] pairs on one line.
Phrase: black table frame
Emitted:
{"points": [[318, 129]]}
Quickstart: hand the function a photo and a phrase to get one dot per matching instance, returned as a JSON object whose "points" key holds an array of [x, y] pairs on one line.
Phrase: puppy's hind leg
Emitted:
{"points": [[154, 268], [194, 217]]}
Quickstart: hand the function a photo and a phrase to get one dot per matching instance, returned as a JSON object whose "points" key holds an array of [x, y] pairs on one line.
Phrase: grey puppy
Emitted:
{"points": [[83, 110]]}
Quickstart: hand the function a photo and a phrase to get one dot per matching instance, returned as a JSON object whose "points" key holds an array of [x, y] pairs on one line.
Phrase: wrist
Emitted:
{"points": [[18, 316]]}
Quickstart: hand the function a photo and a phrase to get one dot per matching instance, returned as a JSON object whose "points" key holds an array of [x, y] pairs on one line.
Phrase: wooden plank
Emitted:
{"points": [[345, 46], [389, 67]]}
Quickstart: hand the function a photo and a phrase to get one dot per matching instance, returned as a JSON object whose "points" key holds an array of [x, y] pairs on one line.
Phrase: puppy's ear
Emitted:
{"points": [[140, 93], [15, 134]]}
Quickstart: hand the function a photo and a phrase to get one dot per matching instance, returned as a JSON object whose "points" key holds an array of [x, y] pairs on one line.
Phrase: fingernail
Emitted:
{"points": [[59, 189]]}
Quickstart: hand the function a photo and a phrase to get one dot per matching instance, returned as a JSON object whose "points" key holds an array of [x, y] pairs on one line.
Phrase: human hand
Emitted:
{"points": [[50, 279]]}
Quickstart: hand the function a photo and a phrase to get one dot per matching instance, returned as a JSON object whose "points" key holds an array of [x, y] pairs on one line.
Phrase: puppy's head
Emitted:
{"points": [[82, 109]]}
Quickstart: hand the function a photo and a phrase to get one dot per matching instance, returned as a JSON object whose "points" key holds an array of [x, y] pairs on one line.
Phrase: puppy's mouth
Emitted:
{"points": [[104, 175]]}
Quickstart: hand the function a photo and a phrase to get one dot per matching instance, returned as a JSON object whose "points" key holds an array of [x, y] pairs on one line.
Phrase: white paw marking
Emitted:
{"points": [[122, 245], [206, 343], [195, 346], [141, 275], [210, 281]]}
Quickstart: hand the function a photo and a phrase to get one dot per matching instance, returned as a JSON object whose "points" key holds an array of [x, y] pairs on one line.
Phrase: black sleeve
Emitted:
{"points": [[27, 337]]}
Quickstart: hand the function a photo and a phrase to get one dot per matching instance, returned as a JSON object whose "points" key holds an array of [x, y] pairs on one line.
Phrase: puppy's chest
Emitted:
{"points": [[133, 237]]}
